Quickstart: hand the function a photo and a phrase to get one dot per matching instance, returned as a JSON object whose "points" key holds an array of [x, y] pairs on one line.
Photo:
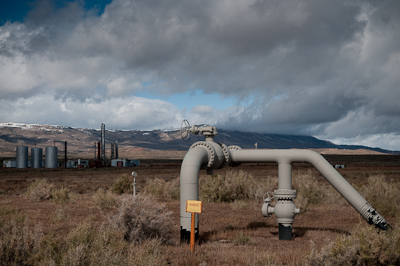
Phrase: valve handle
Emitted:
{"points": [[185, 129]]}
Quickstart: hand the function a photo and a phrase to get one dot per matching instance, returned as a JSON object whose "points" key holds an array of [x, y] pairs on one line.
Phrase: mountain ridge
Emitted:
{"points": [[82, 140]]}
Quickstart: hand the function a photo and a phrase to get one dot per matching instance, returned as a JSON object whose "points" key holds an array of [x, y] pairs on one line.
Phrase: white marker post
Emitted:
{"points": [[134, 174]]}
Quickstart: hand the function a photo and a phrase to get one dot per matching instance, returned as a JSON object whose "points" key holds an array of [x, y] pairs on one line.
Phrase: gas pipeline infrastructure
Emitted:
{"points": [[212, 155]]}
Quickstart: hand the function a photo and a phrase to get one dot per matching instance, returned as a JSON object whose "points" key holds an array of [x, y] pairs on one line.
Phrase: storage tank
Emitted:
{"points": [[36, 157], [22, 157], [51, 157]]}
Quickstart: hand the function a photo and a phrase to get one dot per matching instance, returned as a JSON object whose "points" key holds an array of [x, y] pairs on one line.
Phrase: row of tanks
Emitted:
{"points": [[37, 157]]}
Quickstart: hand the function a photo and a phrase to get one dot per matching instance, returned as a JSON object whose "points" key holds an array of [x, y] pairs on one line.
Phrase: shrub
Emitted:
{"points": [[123, 184], [61, 214], [309, 191], [104, 199], [18, 242], [383, 196], [161, 189], [39, 190], [227, 188], [141, 218], [61, 196], [365, 246], [242, 239]]}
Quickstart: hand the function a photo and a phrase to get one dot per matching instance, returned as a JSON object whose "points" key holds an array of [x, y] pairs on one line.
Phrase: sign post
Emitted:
{"points": [[193, 206]]}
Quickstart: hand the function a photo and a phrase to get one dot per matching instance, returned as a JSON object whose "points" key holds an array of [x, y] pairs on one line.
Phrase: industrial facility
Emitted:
{"points": [[51, 157]]}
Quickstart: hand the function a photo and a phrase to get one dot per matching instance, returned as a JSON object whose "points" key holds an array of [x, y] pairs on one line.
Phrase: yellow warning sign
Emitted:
{"points": [[193, 206]]}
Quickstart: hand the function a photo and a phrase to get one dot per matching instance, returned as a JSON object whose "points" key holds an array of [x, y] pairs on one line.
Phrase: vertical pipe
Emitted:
{"points": [[65, 155], [116, 149], [103, 142], [98, 151], [189, 188], [284, 175]]}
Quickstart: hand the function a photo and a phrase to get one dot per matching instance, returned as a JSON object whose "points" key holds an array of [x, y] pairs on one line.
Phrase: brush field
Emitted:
{"points": [[78, 217]]}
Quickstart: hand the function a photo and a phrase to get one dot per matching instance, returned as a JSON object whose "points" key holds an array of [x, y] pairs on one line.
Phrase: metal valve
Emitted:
{"points": [[267, 209]]}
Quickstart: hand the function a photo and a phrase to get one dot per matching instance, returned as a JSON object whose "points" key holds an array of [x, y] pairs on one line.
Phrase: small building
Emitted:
{"points": [[10, 163], [76, 163], [124, 163]]}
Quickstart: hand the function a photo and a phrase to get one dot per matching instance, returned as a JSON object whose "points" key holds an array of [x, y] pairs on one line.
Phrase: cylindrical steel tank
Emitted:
{"points": [[51, 157], [22, 157], [36, 157]]}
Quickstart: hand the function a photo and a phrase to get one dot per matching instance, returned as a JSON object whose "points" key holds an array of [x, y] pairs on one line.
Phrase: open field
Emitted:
{"points": [[220, 223]]}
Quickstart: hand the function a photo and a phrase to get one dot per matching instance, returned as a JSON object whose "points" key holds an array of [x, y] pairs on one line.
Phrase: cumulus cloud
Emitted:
{"points": [[326, 68]]}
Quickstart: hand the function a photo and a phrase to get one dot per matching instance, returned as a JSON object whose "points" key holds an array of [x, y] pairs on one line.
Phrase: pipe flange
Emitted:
{"points": [[210, 151], [285, 194], [234, 147], [226, 155]]}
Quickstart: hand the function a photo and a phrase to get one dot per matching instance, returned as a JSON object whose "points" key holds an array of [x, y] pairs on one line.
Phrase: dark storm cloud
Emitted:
{"points": [[303, 67]]}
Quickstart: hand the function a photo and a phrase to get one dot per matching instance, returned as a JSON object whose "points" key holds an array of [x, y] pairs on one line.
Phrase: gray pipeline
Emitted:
{"points": [[189, 187], [198, 157], [285, 158]]}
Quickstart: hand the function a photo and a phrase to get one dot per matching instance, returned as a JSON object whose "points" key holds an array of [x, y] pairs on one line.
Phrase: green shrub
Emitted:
{"points": [[123, 184], [61, 196], [104, 199], [383, 196], [141, 218], [162, 190], [365, 246], [242, 239], [39, 190]]}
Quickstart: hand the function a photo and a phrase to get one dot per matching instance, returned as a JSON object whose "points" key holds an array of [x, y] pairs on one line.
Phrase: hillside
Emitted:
{"points": [[81, 142]]}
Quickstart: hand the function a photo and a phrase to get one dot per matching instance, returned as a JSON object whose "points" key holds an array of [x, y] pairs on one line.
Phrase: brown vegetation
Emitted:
{"points": [[84, 223]]}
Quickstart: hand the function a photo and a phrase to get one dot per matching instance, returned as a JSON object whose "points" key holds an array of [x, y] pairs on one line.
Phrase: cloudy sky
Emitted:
{"points": [[325, 68]]}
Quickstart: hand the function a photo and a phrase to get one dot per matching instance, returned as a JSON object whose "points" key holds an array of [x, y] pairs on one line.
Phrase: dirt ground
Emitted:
{"points": [[219, 222]]}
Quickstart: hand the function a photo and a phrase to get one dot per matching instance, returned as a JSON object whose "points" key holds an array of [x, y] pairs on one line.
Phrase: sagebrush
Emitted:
{"points": [[382, 195], [141, 218], [123, 184], [162, 190], [365, 246], [39, 190], [104, 199]]}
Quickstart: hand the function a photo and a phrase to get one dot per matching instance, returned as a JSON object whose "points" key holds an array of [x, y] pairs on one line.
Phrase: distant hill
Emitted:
{"points": [[81, 141]]}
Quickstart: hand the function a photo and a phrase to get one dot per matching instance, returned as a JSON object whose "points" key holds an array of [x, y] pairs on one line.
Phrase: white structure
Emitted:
{"points": [[10, 163], [124, 163]]}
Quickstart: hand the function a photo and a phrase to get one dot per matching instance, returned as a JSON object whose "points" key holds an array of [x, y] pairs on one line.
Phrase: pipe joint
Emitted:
{"points": [[285, 194], [216, 154]]}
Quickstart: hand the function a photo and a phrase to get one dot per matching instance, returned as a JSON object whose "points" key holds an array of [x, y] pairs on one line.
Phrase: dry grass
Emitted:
{"points": [[365, 246], [104, 199], [231, 186], [39, 190], [141, 218], [382, 195], [162, 190], [123, 184], [61, 196], [69, 239]]}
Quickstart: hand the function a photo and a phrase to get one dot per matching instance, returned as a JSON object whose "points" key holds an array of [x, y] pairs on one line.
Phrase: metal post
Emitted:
{"points": [[134, 187], [192, 236]]}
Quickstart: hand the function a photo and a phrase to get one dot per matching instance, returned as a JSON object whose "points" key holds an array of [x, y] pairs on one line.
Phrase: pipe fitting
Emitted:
{"points": [[216, 156], [285, 211], [285, 194]]}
